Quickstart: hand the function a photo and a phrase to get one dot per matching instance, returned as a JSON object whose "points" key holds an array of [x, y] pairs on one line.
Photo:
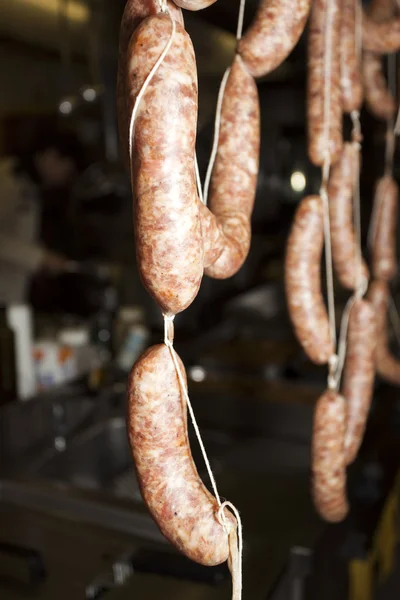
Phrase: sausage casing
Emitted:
{"points": [[350, 79], [382, 38], [378, 98], [303, 281], [359, 371], [324, 142], [345, 251], [183, 508], [328, 457], [134, 13], [226, 224], [387, 366], [275, 31], [169, 246], [194, 4], [384, 260]]}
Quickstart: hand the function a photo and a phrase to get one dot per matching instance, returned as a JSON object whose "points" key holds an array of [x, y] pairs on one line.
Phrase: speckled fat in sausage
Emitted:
{"points": [[384, 259], [324, 67], [226, 223], [178, 501], [345, 251], [359, 372], [273, 34], [134, 13], [303, 281], [328, 457], [350, 77], [169, 245]]}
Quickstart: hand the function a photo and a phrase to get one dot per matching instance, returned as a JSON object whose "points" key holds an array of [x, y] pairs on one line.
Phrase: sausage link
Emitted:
{"points": [[325, 16], [328, 457], [382, 38], [350, 79], [345, 251], [273, 34], [387, 366], [134, 13], [226, 226], [183, 508], [194, 4], [303, 281], [359, 372], [384, 260], [169, 246], [378, 98]]}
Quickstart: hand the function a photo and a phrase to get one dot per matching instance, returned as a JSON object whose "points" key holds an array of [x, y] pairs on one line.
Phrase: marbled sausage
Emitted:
{"points": [[382, 38], [303, 281], [345, 251], [384, 260], [169, 245], [226, 224], [274, 33], [328, 457], [324, 80], [350, 78], [183, 508], [134, 13], [359, 371], [378, 98]]}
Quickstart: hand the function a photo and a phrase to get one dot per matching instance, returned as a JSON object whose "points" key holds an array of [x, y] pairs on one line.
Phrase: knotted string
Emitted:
{"points": [[235, 539]]}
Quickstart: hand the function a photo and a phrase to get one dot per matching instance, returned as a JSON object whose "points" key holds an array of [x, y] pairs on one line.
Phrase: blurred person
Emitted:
{"points": [[51, 166]]}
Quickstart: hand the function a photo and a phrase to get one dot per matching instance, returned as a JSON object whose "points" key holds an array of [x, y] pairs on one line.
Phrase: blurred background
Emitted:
{"points": [[74, 317]]}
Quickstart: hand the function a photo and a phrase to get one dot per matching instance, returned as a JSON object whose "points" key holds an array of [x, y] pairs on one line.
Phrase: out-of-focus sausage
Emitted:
{"points": [[384, 260], [135, 12], [381, 10], [387, 366], [359, 371], [177, 499], [169, 245], [303, 281], [194, 4], [378, 98], [328, 457], [382, 38], [273, 34], [324, 80], [345, 251], [350, 78], [226, 226]]}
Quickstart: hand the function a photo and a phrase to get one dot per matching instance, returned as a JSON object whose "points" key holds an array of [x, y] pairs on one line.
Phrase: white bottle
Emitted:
{"points": [[19, 318]]}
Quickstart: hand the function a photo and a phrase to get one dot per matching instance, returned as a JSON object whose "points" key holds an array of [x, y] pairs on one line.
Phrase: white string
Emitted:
{"points": [[217, 127], [239, 30], [198, 180], [236, 553], [395, 318], [147, 82]]}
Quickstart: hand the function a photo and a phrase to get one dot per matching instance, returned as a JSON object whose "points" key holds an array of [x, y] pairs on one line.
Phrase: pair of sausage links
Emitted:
{"points": [[184, 510], [387, 366], [359, 372], [324, 65], [350, 79], [328, 457], [274, 33], [135, 12], [303, 281], [226, 225], [345, 251], [382, 38], [384, 260], [194, 4], [169, 243]]}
